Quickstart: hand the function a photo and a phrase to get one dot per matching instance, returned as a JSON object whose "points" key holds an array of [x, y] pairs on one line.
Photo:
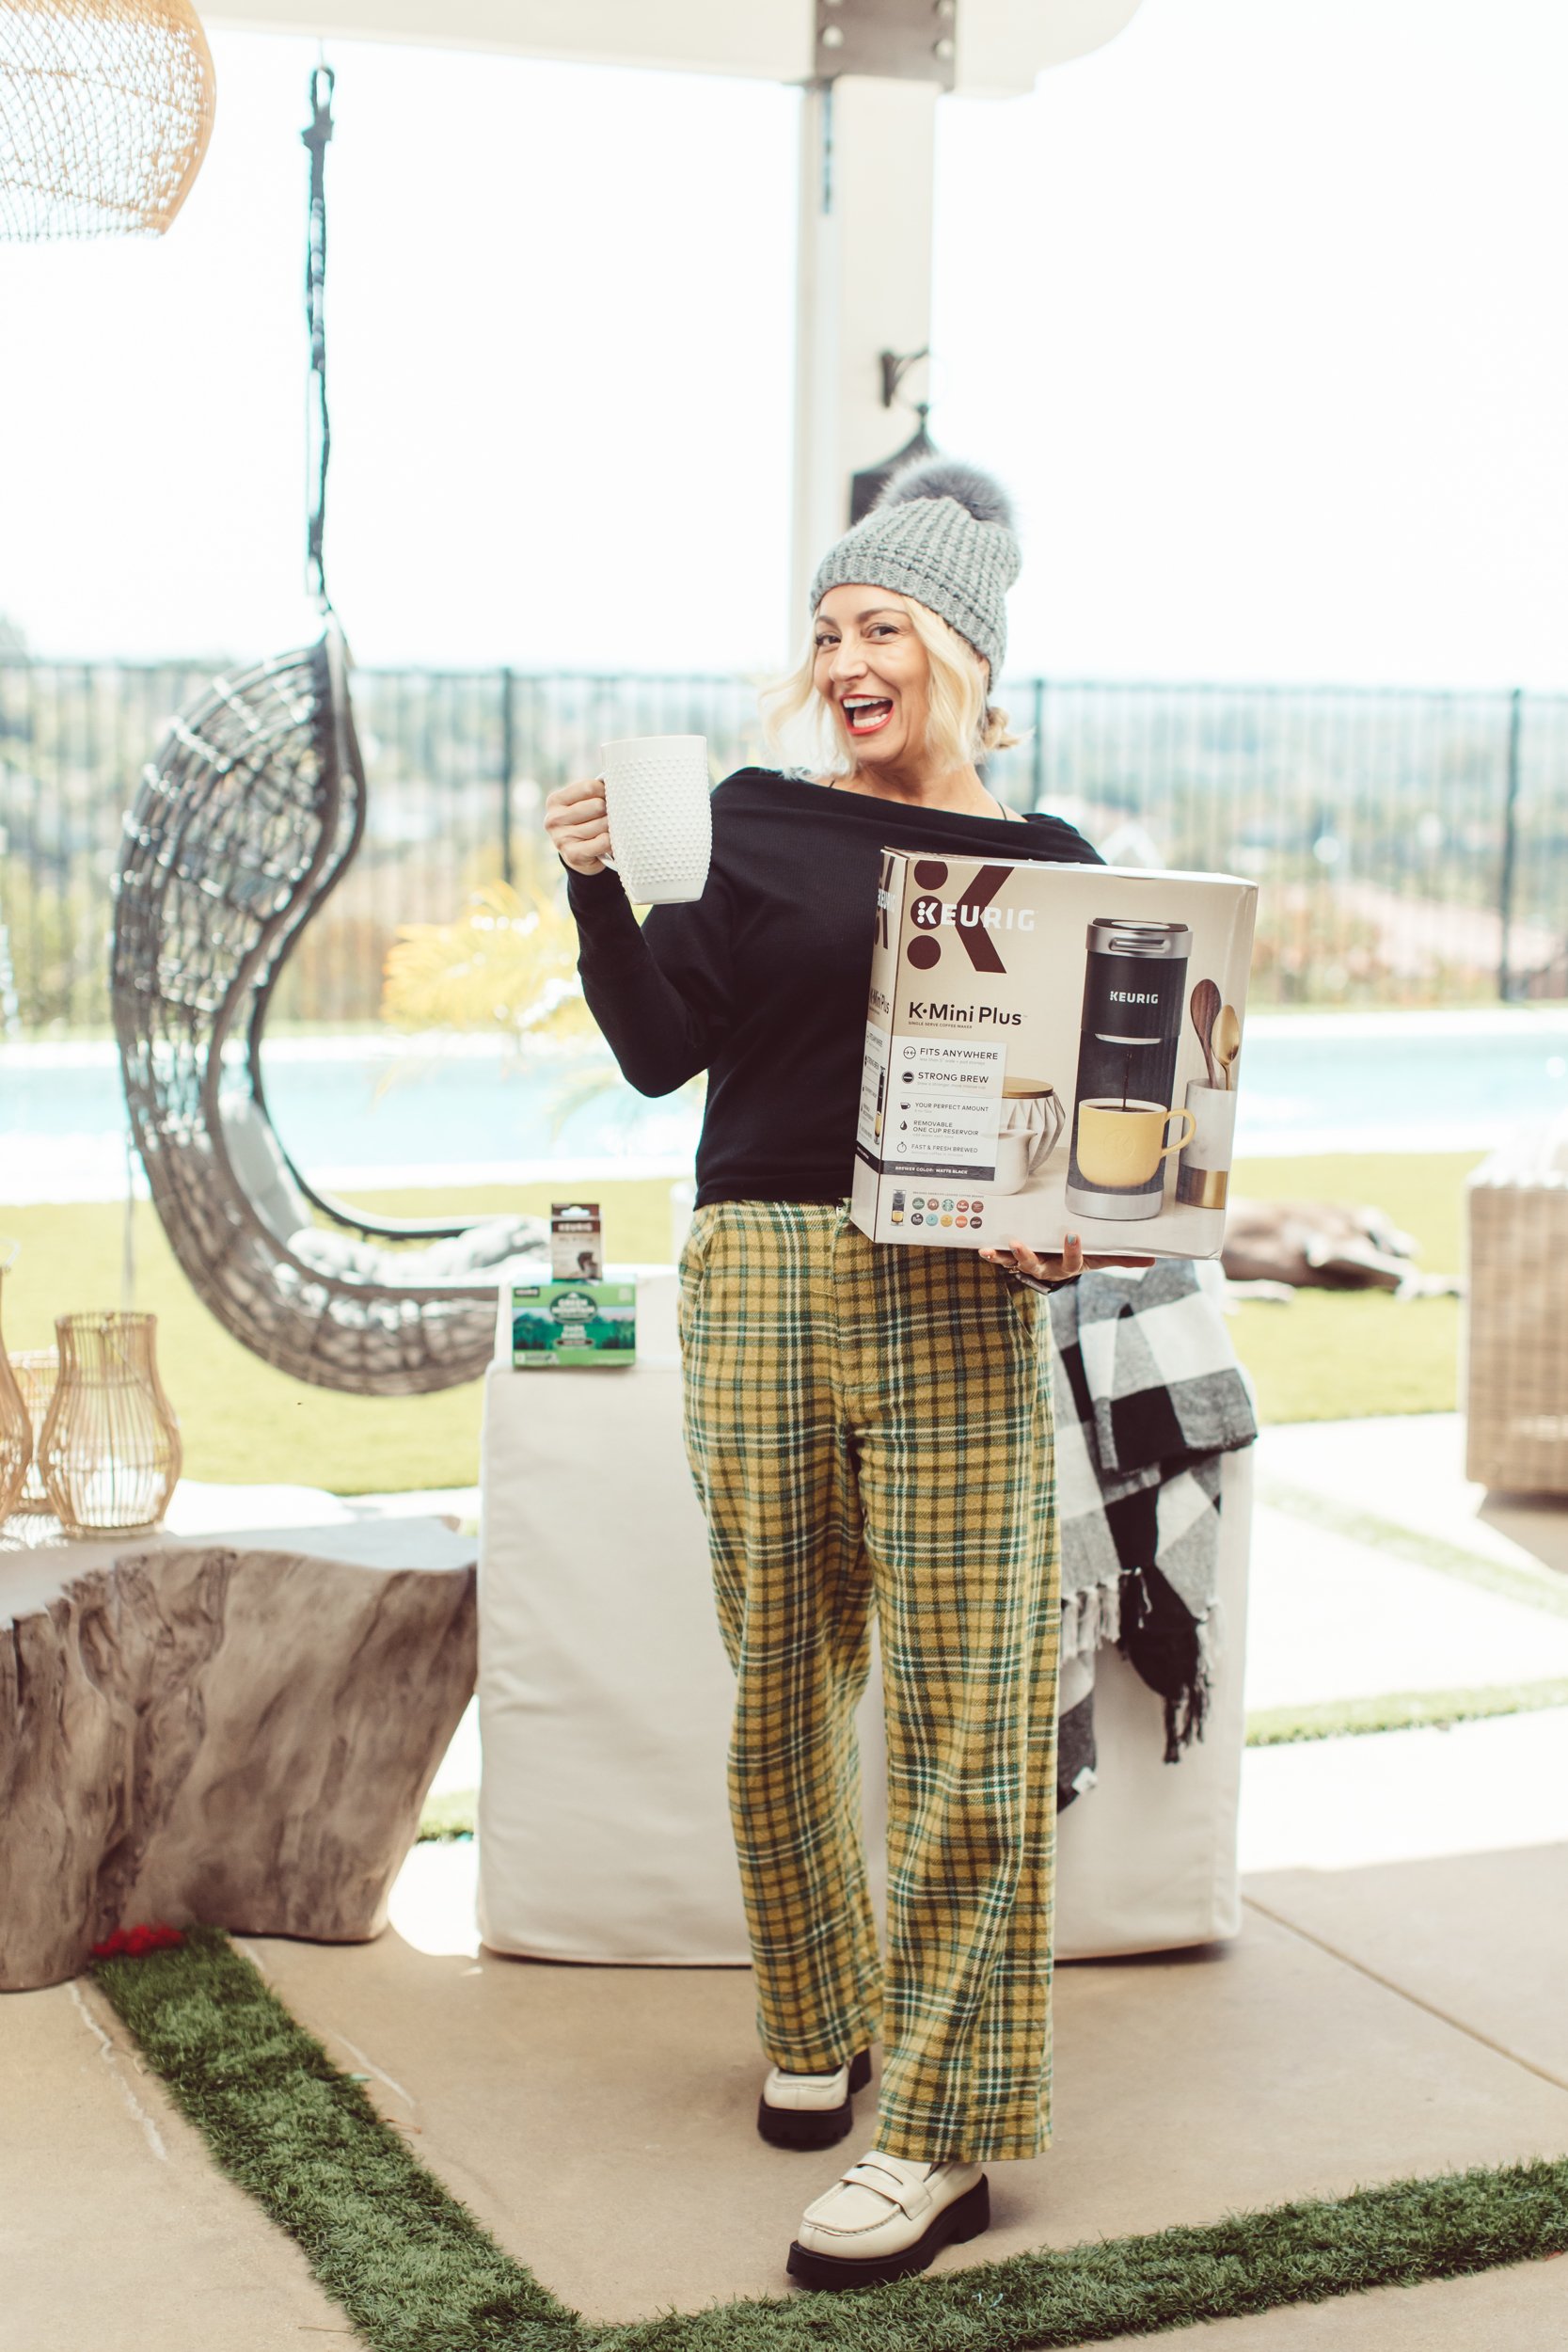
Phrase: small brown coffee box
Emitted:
{"points": [[576, 1241], [1051, 1049]]}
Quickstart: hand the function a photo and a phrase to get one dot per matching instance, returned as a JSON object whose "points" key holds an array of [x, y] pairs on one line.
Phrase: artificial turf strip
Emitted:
{"points": [[411, 2266], [1141, 2286], [414, 2272], [1537, 1588], [1394, 1711]]}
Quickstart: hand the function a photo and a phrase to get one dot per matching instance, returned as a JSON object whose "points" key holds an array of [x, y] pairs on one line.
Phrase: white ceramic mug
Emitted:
{"points": [[1204, 1178], [660, 820], [1031, 1125]]}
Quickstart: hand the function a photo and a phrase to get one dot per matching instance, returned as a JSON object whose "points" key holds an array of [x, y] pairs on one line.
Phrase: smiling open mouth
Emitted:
{"points": [[864, 713]]}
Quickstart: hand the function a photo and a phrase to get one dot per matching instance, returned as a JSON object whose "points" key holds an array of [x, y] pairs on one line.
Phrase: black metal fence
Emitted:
{"points": [[1413, 847]]}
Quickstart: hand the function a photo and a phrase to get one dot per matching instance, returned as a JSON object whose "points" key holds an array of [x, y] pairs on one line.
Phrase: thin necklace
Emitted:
{"points": [[1007, 818]]}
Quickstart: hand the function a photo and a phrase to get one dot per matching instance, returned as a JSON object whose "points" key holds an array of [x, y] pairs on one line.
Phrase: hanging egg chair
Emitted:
{"points": [[246, 819]]}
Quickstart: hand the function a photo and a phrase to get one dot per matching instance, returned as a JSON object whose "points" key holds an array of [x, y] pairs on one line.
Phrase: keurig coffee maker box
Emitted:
{"points": [[1052, 1050]]}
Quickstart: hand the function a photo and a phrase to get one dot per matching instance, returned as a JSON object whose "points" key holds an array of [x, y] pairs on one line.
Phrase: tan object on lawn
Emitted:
{"points": [[242, 1732], [1515, 1363], [109, 1450], [105, 111], [1323, 1245]]}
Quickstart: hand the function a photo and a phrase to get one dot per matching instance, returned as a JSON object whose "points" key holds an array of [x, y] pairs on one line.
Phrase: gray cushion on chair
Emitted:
{"points": [[501, 1245], [264, 1176], [484, 1251]]}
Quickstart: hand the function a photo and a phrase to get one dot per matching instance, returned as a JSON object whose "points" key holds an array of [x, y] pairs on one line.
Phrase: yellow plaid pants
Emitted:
{"points": [[870, 1426]]}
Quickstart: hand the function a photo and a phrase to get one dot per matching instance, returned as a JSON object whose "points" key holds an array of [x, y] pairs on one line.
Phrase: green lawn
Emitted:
{"points": [[1322, 1358], [1336, 1356], [239, 1419]]}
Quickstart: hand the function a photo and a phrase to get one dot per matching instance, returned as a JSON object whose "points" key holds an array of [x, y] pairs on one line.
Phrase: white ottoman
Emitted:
{"points": [[605, 1701]]}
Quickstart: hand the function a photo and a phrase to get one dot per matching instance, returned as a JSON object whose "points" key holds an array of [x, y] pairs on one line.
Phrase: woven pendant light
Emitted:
{"points": [[105, 111]]}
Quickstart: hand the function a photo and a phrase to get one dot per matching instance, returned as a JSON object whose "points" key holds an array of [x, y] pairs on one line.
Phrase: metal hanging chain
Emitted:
{"points": [[319, 425]]}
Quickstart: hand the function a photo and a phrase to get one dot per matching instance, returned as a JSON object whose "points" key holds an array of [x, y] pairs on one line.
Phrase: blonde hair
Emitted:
{"points": [[962, 725]]}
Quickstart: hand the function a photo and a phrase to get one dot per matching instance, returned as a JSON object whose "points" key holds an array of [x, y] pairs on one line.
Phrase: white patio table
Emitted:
{"points": [[604, 1700]]}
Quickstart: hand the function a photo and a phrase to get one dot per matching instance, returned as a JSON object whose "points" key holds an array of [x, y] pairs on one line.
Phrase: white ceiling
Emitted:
{"points": [[1002, 45]]}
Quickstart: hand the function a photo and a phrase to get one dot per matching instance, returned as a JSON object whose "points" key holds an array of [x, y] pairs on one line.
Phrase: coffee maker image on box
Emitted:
{"points": [[1135, 985]]}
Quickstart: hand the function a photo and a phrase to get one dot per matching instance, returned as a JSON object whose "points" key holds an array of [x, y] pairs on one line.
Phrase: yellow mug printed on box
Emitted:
{"points": [[1121, 1144]]}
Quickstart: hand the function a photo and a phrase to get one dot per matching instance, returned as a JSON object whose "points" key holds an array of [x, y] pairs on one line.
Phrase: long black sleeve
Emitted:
{"points": [[659, 989], [762, 982]]}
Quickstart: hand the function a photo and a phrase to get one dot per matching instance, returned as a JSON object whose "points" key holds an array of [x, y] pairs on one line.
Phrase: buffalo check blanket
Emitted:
{"points": [[1149, 1397]]}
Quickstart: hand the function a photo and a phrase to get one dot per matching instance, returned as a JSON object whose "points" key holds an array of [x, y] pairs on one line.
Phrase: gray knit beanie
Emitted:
{"points": [[942, 532]]}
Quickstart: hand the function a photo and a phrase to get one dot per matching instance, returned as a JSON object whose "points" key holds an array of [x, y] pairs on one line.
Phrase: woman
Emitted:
{"points": [[868, 1426]]}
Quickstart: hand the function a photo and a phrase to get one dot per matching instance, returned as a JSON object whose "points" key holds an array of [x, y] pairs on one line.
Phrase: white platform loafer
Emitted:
{"points": [[811, 2111], [885, 2218]]}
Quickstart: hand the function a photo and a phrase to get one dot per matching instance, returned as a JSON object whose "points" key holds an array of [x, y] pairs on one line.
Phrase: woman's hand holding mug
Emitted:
{"points": [[659, 789], [577, 826]]}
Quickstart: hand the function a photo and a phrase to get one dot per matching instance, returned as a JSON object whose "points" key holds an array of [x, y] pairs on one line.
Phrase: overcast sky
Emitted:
{"points": [[1261, 312]]}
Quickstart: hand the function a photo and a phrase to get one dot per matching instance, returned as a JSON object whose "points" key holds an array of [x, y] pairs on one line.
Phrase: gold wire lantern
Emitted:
{"points": [[109, 1450], [105, 111], [16, 1428]]}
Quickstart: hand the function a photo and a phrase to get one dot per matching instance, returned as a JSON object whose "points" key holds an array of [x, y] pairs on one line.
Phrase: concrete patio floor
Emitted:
{"points": [[116, 2230], [1327, 2048], [1392, 2007], [1498, 2311], [1187, 2085]]}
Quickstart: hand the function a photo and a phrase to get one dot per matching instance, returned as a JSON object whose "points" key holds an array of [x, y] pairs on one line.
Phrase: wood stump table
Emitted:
{"points": [[240, 1731]]}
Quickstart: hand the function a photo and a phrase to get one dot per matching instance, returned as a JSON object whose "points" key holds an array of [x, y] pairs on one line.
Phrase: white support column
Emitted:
{"points": [[867, 161]]}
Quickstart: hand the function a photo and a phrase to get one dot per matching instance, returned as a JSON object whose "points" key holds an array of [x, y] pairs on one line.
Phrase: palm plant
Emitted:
{"points": [[507, 964]]}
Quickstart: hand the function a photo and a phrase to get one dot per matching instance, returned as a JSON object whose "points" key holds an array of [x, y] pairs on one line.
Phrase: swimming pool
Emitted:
{"points": [[367, 1111]]}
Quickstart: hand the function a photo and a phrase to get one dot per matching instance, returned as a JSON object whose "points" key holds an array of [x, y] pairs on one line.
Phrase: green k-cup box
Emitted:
{"points": [[573, 1323]]}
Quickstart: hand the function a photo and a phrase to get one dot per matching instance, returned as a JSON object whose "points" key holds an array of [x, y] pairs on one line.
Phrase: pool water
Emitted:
{"points": [[1399, 1081], [368, 1111]]}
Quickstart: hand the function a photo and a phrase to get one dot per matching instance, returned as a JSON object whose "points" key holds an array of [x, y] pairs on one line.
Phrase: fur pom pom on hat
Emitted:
{"points": [[949, 478], [942, 532]]}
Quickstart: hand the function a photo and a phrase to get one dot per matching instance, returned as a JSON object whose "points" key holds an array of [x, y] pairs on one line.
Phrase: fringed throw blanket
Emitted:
{"points": [[1148, 1396]]}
